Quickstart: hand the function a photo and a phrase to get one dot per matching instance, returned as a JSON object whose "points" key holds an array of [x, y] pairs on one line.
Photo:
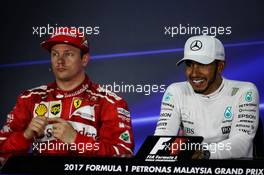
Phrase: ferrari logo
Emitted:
{"points": [[77, 103]]}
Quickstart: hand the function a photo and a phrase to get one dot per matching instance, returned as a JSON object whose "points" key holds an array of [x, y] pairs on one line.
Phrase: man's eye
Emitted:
{"points": [[69, 54], [54, 54]]}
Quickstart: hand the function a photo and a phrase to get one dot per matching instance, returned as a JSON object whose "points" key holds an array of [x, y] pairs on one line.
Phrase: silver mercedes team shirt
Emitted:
{"points": [[227, 118]]}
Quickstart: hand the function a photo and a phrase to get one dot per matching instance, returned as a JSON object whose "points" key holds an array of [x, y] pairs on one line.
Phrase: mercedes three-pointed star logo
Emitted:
{"points": [[196, 45]]}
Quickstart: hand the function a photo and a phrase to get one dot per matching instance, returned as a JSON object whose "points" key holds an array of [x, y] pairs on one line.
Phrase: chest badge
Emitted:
{"points": [[41, 110], [248, 97], [55, 108], [77, 103], [228, 112], [167, 97]]}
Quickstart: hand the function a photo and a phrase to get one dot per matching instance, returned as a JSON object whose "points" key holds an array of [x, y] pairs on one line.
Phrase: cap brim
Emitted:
{"points": [[51, 42], [202, 60]]}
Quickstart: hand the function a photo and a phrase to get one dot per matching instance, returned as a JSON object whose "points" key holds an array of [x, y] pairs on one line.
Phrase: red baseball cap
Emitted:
{"points": [[67, 35]]}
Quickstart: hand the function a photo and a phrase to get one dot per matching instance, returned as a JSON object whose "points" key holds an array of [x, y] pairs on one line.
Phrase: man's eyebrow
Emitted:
{"points": [[54, 50], [68, 50]]}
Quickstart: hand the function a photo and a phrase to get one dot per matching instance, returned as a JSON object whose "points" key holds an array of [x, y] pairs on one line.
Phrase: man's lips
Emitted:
{"points": [[197, 81], [60, 69]]}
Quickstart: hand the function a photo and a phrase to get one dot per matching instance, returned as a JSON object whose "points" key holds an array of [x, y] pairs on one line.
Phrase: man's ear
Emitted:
{"points": [[85, 59], [220, 66]]}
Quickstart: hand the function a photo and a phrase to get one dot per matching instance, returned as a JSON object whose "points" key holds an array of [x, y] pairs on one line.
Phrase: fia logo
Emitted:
{"points": [[228, 112]]}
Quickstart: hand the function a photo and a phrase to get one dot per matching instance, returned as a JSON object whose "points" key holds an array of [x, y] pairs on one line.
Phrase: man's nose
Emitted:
{"points": [[61, 59], [194, 69]]}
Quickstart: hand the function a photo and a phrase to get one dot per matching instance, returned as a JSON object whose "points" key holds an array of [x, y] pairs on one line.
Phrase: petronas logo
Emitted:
{"points": [[228, 112], [167, 97], [248, 96]]}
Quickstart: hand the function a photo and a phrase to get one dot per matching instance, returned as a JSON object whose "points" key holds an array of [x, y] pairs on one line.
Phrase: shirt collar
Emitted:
{"points": [[72, 93], [216, 92]]}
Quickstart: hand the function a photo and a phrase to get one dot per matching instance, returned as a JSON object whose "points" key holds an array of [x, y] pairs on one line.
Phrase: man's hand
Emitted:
{"points": [[201, 154], [36, 127], [198, 154], [62, 130]]}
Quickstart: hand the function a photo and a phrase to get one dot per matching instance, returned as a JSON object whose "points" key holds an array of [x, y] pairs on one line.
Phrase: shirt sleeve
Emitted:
{"points": [[115, 137], [243, 128], [169, 121], [12, 134]]}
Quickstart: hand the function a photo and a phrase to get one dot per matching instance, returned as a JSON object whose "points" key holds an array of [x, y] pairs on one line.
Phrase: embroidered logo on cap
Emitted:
{"points": [[196, 45]]}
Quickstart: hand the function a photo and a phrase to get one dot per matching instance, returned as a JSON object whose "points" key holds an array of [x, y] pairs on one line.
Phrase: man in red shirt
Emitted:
{"points": [[72, 115]]}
